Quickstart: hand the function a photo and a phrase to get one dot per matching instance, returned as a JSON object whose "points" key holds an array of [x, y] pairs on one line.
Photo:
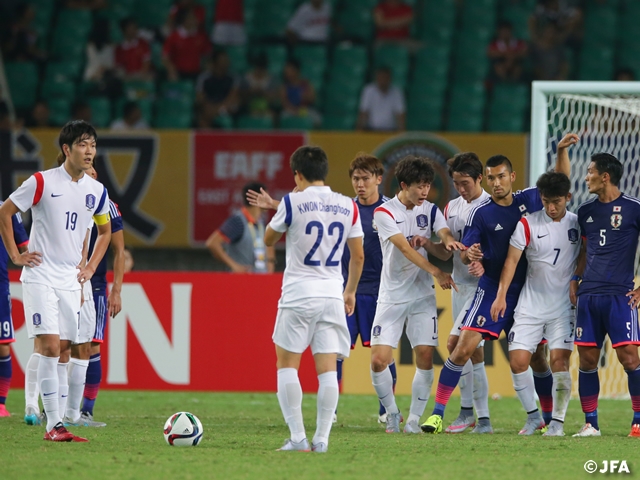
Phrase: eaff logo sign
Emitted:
{"points": [[184, 331], [224, 162]]}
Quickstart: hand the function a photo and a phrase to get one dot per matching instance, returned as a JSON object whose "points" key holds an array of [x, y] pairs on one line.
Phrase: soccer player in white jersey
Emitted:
{"points": [[407, 292], [318, 223], [466, 171], [551, 240], [62, 201]]}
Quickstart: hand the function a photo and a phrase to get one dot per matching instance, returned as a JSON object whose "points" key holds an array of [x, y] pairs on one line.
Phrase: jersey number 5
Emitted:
{"points": [[308, 259]]}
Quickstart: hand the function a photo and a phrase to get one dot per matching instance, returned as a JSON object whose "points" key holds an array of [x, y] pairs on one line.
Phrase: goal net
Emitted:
{"points": [[606, 116]]}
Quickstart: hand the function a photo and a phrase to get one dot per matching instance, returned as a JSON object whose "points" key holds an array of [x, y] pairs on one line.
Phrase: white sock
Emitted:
{"points": [[290, 399], [63, 387], [524, 387], [77, 373], [561, 394], [480, 390], [420, 391], [31, 389], [466, 385], [383, 385], [48, 382], [327, 403]]}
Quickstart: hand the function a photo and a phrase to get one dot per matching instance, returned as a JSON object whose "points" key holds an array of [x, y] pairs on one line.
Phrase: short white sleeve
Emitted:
{"points": [[398, 104], [366, 99], [298, 21], [277, 223], [356, 229], [23, 196], [440, 221], [520, 238], [105, 204], [385, 224]]}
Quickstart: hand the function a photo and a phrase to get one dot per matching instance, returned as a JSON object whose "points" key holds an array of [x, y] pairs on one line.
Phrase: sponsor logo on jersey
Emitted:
{"points": [[589, 220], [37, 319], [90, 201], [579, 332], [481, 321], [422, 221], [498, 227], [573, 235], [376, 331], [616, 221]]}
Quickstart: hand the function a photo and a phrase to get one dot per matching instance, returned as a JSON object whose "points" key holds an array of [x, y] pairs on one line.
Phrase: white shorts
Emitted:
{"points": [[421, 317], [320, 323], [49, 311], [228, 33], [87, 325], [527, 332], [460, 304]]}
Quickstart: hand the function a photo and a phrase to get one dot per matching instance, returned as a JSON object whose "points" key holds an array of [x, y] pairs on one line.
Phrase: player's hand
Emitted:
{"points": [[85, 274], [445, 281], [498, 308], [450, 244], [262, 199], [28, 259], [114, 303], [568, 140], [349, 303], [476, 269], [634, 299], [573, 292], [419, 242], [474, 252]]}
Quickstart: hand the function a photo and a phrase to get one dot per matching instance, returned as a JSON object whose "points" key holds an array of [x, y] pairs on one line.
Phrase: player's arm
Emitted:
{"points": [[436, 249], [85, 249], [114, 301], [356, 262], [103, 223], [508, 271], [271, 259], [581, 264], [262, 200], [563, 165], [25, 259], [215, 245]]}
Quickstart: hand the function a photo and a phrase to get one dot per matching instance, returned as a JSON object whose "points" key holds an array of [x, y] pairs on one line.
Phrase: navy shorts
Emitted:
{"points": [[478, 318], [100, 300], [600, 315], [361, 322], [6, 325]]}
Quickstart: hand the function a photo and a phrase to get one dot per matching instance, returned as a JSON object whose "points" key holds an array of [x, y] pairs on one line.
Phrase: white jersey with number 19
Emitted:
{"points": [[318, 223]]}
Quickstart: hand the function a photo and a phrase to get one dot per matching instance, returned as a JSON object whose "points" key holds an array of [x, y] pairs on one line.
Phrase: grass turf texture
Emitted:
{"points": [[242, 432]]}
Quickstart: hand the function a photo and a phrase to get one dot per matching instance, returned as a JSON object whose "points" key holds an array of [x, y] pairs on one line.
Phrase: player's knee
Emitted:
{"points": [[452, 342], [379, 362], [518, 364], [560, 362], [629, 361]]}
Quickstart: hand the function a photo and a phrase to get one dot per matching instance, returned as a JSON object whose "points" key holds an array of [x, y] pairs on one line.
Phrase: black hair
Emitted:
{"points": [[498, 160], [553, 185], [505, 24], [311, 162], [181, 16], [384, 69], [260, 60], [216, 54], [100, 33], [412, 169], [294, 63], [607, 163], [125, 22], [466, 163], [129, 107], [255, 186], [74, 131]]}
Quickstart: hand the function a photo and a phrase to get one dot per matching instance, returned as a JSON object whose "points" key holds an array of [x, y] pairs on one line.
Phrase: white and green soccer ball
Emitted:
{"points": [[183, 429]]}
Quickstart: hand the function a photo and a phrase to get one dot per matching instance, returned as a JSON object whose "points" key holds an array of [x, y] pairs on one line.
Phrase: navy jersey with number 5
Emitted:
{"points": [[491, 225], [611, 231]]}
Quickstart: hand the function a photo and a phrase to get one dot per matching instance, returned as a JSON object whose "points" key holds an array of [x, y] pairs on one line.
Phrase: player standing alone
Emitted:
{"points": [[62, 201], [318, 223], [607, 302]]}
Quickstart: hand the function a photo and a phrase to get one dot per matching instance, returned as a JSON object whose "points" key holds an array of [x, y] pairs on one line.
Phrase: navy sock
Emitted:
{"points": [[5, 377], [448, 381], [92, 385], [634, 391], [589, 390], [544, 387]]}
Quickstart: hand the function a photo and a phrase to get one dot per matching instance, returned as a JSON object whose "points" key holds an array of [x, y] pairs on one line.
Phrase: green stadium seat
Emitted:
{"points": [[270, 19], [356, 22], [346, 81], [152, 13], [338, 100], [479, 13], [238, 59], [68, 71], [248, 122], [52, 89], [122, 8], [518, 15], [395, 57], [596, 64], [428, 88], [313, 61], [296, 123], [471, 68], [175, 120], [42, 20], [600, 23], [66, 46], [276, 56], [137, 89], [424, 121], [350, 56], [59, 111], [511, 97], [145, 104], [75, 22], [23, 83], [100, 111], [460, 121], [339, 122], [182, 90], [506, 122]]}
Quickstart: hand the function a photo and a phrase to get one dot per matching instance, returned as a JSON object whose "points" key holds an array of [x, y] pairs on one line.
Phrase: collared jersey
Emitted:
{"points": [[318, 223], [491, 225], [552, 250], [21, 239], [99, 279], [611, 231], [456, 214], [61, 209], [401, 280], [370, 279]]}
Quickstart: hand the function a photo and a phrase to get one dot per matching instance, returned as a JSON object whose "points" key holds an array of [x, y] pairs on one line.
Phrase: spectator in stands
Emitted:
{"points": [[133, 55], [393, 20], [564, 15], [238, 243], [310, 22], [185, 48], [297, 94], [625, 75], [20, 43], [5, 117], [39, 116], [382, 105], [228, 28], [258, 88], [179, 5], [131, 118], [549, 57], [81, 110], [507, 54], [216, 91], [100, 70]]}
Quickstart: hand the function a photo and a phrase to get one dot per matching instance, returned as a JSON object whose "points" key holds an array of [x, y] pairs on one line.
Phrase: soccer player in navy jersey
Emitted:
{"points": [[607, 303], [487, 234]]}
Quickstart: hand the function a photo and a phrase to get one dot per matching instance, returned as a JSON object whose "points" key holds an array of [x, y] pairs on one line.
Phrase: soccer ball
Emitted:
{"points": [[183, 429]]}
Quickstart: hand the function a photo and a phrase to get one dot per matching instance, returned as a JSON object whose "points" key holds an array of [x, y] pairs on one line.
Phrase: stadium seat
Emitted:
{"points": [[59, 110], [122, 8], [145, 104], [152, 13], [313, 61], [238, 58], [100, 111], [518, 15], [248, 122], [436, 24], [511, 97], [596, 63], [506, 122], [76, 22], [68, 71], [182, 90], [340, 100], [175, 120], [339, 122], [137, 89], [276, 56], [356, 22], [396, 57], [600, 23], [23, 83], [296, 123], [425, 112], [66, 46], [459, 121], [52, 89], [480, 13], [270, 19]]}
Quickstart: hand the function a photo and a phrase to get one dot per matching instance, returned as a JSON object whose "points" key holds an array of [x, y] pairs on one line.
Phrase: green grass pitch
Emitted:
{"points": [[242, 432]]}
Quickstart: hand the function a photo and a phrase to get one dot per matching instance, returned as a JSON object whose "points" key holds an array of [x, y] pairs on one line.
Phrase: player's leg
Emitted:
{"points": [[354, 332], [94, 370], [32, 390], [543, 381], [6, 339], [481, 392]]}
